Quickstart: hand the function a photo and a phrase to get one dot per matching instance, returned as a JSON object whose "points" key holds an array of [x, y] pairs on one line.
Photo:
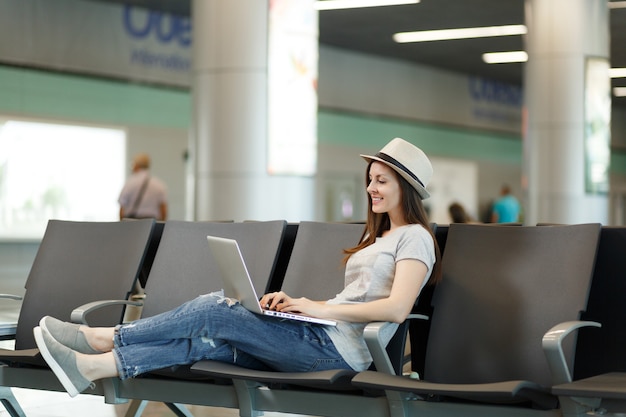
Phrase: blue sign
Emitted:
{"points": [[165, 27], [495, 92]]}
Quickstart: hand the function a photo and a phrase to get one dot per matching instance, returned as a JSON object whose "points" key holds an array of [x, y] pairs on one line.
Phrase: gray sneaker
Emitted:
{"points": [[62, 361], [67, 334]]}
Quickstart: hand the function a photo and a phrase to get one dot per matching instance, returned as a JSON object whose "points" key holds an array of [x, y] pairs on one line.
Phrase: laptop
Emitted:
{"points": [[237, 282]]}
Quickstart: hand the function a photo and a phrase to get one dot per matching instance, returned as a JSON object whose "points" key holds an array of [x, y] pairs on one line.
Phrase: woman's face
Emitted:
{"points": [[384, 189]]}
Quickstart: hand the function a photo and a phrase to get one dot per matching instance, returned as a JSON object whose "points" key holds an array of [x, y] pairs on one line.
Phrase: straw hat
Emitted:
{"points": [[407, 160]]}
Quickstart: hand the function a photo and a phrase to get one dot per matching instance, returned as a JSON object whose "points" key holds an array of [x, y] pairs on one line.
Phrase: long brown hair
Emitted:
{"points": [[414, 213]]}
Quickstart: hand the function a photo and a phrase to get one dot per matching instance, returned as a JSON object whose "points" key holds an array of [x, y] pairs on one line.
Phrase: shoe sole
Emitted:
{"points": [[53, 364]]}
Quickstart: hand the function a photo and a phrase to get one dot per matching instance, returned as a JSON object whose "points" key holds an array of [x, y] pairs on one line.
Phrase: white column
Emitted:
{"points": [[228, 176], [562, 36]]}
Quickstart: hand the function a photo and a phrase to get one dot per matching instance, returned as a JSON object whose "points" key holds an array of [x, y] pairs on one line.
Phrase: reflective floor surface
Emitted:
{"points": [[57, 404]]}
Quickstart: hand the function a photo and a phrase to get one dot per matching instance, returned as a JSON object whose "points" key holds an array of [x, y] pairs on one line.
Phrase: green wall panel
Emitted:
{"points": [[362, 130], [44, 94], [33, 93], [349, 129]]}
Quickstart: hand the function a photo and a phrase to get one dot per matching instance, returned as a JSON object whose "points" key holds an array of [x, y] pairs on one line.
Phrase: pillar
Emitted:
{"points": [[566, 137], [227, 177]]}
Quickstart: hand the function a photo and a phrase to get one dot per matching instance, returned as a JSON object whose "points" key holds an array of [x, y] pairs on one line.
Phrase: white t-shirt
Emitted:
{"points": [[369, 276]]}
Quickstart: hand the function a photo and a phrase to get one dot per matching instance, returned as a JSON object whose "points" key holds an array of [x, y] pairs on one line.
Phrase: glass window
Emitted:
{"points": [[56, 171]]}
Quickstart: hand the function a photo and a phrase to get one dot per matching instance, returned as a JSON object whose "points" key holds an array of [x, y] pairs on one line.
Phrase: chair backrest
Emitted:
{"points": [[81, 262], [503, 287], [601, 350], [315, 268], [182, 269]]}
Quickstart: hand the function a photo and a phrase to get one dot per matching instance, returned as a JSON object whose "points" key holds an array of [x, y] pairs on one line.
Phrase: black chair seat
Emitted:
{"points": [[507, 392], [336, 379]]}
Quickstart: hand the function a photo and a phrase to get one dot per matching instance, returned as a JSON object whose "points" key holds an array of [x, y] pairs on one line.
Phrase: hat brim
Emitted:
{"points": [[418, 187]]}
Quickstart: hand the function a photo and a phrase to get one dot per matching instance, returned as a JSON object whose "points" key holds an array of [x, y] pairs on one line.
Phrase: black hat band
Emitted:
{"points": [[397, 164]]}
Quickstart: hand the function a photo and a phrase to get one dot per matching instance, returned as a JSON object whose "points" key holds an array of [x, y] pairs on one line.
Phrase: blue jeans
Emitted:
{"points": [[213, 327]]}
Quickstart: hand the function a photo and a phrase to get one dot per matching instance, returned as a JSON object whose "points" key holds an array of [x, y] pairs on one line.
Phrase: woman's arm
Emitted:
{"points": [[410, 274]]}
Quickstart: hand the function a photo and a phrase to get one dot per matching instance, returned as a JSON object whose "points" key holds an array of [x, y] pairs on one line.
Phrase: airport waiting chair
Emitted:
{"points": [[505, 291], [599, 377], [315, 270], [182, 270], [76, 263]]}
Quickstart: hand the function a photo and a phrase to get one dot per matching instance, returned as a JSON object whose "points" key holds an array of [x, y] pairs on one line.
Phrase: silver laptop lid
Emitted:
{"points": [[235, 275], [238, 284]]}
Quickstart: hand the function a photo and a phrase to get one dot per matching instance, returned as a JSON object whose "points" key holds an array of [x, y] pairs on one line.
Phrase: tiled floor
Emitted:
{"points": [[56, 404]]}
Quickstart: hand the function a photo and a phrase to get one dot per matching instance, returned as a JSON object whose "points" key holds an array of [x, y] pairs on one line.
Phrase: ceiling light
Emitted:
{"points": [[617, 72], [353, 4], [462, 33], [617, 4], [505, 57], [619, 91]]}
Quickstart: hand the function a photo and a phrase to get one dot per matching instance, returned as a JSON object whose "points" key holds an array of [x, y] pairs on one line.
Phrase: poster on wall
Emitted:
{"points": [[597, 139], [292, 88]]}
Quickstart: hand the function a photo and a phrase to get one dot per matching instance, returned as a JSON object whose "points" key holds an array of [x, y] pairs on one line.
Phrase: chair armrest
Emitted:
{"points": [[11, 297], [552, 344], [79, 314], [377, 349]]}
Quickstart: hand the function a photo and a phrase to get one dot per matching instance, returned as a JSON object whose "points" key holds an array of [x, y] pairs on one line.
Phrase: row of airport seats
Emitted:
{"points": [[495, 343], [86, 272]]}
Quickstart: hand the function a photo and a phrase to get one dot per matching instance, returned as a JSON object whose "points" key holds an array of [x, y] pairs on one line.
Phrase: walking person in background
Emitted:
{"points": [[143, 195], [506, 209]]}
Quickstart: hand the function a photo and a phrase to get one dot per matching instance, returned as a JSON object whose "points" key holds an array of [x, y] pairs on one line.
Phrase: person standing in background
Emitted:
{"points": [[143, 195], [506, 209], [458, 214]]}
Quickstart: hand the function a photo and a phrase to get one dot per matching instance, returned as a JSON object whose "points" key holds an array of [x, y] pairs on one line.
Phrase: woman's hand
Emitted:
{"points": [[271, 300], [280, 301]]}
